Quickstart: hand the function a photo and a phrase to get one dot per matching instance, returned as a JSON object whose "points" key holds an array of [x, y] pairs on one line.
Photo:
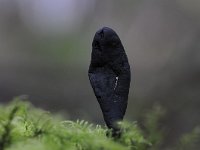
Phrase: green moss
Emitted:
{"points": [[24, 127]]}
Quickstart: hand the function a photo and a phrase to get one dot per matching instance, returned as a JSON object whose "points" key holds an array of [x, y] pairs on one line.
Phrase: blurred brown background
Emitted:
{"points": [[45, 51]]}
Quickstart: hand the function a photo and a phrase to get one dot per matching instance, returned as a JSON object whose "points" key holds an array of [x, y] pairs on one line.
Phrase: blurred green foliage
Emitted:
{"points": [[22, 126]]}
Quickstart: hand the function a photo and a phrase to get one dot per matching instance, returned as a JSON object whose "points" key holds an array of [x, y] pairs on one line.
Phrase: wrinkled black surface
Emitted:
{"points": [[109, 62]]}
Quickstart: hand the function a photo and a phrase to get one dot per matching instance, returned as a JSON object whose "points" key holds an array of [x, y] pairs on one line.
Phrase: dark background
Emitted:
{"points": [[45, 51]]}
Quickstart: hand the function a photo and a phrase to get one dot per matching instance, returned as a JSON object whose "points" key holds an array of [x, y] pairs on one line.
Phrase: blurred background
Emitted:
{"points": [[45, 49]]}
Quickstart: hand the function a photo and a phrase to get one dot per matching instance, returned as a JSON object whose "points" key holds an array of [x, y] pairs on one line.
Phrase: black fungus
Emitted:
{"points": [[109, 74]]}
